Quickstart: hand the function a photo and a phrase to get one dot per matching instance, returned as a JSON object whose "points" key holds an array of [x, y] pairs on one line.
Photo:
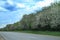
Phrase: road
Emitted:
{"points": [[26, 36]]}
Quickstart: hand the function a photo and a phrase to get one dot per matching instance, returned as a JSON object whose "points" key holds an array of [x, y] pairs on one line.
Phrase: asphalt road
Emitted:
{"points": [[26, 36]]}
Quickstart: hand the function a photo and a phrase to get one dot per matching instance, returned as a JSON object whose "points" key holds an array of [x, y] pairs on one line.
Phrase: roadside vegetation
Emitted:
{"points": [[46, 21], [52, 33]]}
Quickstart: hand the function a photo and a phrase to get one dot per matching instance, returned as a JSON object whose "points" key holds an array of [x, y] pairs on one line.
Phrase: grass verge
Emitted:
{"points": [[43, 32]]}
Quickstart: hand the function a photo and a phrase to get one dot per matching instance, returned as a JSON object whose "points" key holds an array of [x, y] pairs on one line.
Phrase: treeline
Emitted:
{"points": [[46, 20]]}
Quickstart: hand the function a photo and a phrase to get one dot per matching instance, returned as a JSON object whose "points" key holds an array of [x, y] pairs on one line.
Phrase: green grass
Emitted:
{"points": [[43, 32]]}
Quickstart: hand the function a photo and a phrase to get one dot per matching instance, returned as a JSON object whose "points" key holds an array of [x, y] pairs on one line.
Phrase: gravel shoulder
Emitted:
{"points": [[1, 38]]}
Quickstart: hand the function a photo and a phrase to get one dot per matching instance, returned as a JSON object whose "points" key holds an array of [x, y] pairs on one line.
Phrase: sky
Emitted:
{"points": [[12, 11]]}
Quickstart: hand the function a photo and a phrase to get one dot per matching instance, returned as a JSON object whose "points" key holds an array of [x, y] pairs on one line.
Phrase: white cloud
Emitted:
{"points": [[2, 25], [36, 6], [3, 9], [40, 4], [20, 5], [57, 0], [43, 3], [28, 1], [10, 2]]}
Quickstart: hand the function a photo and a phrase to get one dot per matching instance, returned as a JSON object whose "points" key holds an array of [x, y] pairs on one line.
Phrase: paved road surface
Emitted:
{"points": [[26, 36]]}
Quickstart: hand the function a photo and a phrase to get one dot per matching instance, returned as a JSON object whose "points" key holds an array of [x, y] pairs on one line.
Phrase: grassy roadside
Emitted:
{"points": [[43, 32], [52, 33]]}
